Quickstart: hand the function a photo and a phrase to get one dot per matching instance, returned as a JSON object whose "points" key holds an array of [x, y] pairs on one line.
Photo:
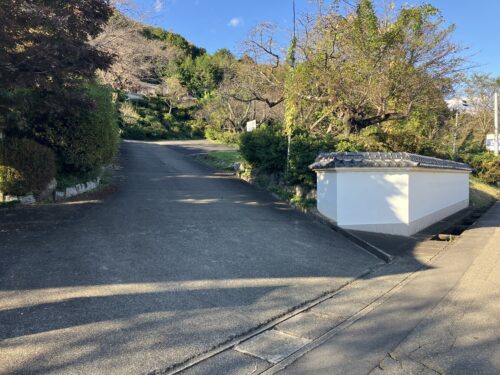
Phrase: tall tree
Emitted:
{"points": [[479, 90], [44, 43], [357, 69], [44, 46]]}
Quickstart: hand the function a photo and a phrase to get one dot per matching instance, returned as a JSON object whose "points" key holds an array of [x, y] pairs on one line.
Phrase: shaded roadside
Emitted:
{"points": [[444, 320]]}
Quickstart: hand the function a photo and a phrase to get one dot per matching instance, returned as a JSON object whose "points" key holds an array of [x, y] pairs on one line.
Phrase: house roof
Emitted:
{"points": [[331, 160]]}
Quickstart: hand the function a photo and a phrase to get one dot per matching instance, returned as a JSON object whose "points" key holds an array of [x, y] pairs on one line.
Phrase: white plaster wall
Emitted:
{"points": [[327, 193], [372, 197], [435, 190], [395, 201]]}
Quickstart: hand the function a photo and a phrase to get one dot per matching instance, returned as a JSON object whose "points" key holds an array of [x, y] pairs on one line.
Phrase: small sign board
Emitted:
{"points": [[251, 125], [490, 142]]}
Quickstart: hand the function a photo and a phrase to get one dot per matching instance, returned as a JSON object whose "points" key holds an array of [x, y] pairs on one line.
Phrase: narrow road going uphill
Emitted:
{"points": [[178, 260]]}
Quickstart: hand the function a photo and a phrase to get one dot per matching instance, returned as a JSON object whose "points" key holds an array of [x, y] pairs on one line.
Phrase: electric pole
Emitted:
{"points": [[455, 134], [463, 103], [495, 140]]}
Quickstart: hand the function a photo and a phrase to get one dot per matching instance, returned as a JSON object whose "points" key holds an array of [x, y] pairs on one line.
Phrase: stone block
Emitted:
{"points": [[59, 195], [71, 192], [27, 199]]}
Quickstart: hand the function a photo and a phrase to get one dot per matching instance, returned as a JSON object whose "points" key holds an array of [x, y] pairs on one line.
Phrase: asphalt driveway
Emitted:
{"points": [[176, 261]]}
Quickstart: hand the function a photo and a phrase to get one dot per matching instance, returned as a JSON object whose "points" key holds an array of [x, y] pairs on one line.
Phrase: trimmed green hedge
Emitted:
{"points": [[25, 166], [92, 139]]}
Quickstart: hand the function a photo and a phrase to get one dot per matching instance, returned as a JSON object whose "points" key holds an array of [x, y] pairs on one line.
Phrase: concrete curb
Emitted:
{"points": [[372, 249]]}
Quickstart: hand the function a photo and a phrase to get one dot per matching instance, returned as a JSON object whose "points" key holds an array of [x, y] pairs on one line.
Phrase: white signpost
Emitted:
{"points": [[490, 142], [251, 125]]}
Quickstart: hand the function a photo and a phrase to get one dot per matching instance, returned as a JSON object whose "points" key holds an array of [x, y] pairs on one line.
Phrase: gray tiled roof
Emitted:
{"points": [[330, 160]]}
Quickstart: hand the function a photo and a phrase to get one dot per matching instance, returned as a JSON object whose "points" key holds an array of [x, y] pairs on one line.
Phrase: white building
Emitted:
{"points": [[386, 192]]}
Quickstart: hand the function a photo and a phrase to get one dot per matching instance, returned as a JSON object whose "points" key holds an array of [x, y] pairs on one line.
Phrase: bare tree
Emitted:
{"points": [[479, 90], [136, 58], [259, 77]]}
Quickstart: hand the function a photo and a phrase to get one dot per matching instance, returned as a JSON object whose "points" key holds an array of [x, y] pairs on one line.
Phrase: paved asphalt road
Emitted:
{"points": [[176, 261]]}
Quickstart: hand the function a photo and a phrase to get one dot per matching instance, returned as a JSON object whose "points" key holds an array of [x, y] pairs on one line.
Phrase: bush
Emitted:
{"points": [[303, 151], [149, 119], [92, 140], [25, 166], [143, 133], [222, 136], [486, 166], [81, 129], [264, 148]]}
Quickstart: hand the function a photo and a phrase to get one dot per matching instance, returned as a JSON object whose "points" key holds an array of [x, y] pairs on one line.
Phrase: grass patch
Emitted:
{"points": [[295, 200], [8, 204], [223, 160], [482, 195]]}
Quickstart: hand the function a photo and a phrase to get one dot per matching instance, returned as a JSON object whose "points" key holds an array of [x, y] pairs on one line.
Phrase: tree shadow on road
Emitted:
{"points": [[176, 261]]}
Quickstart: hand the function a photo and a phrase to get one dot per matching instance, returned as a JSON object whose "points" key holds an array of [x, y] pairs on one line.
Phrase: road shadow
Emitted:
{"points": [[177, 260]]}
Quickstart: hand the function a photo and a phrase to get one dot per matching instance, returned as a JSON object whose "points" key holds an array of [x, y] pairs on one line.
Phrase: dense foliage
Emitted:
{"points": [[354, 79], [48, 95], [154, 118], [88, 139], [82, 130], [264, 148], [486, 166], [43, 44]]}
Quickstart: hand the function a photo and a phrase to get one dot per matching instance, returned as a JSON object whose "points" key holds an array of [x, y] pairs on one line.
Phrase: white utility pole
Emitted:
{"points": [[496, 125], [455, 134]]}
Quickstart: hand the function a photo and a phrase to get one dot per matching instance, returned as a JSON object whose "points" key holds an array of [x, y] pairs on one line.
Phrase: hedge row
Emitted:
{"points": [[75, 137]]}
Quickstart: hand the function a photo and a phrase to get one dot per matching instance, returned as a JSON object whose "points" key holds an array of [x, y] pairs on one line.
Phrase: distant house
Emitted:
{"points": [[133, 96], [146, 89], [149, 88]]}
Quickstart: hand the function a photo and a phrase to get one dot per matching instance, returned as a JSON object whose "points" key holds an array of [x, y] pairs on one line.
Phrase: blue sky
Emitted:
{"points": [[214, 24]]}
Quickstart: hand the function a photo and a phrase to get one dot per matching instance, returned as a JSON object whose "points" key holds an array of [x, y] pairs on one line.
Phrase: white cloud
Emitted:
{"points": [[235, 22], [158, 6]]}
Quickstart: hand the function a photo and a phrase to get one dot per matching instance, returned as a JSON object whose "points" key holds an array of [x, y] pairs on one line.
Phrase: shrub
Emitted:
{"points": [[264, 148], [81, 130], [303, 150], [25, 166], [93, 139], [486, 166], [222, 136], [149, 119], [143, 133]]}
